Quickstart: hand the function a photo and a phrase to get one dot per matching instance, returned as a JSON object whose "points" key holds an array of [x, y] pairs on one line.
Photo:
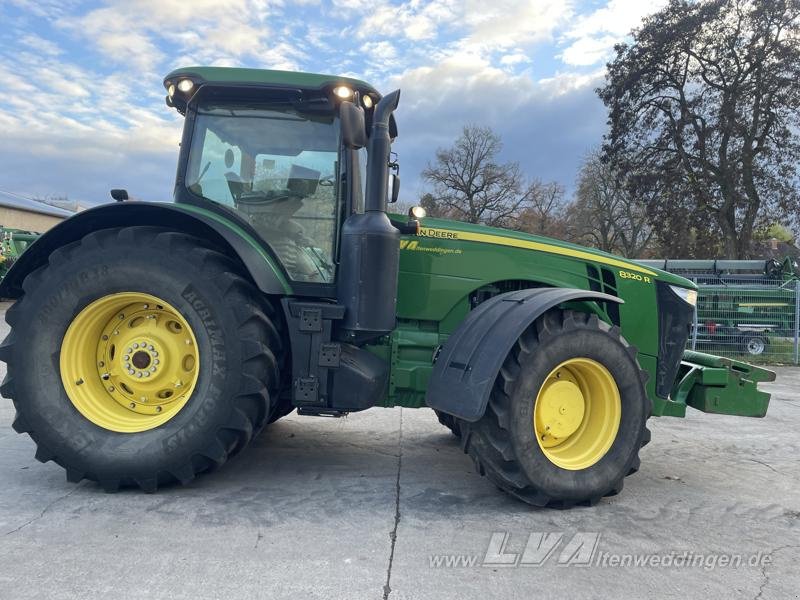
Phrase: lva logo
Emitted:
{"points": [[575, 550]]}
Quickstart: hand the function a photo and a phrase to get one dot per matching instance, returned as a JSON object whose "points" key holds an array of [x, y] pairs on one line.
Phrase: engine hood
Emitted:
{"points": [[468, 232]]}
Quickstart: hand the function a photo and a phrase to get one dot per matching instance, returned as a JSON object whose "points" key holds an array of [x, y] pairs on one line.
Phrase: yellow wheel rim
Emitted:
{"points": [[129, 362], [577, 413]]}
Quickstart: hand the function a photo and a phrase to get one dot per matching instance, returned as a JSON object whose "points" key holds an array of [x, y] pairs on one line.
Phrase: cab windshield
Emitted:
{"points": [[278, 168]]}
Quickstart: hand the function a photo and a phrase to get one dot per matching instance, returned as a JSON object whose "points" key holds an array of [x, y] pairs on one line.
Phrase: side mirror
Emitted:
{"points": [[394, 182], [354, 127], [119, 195]]}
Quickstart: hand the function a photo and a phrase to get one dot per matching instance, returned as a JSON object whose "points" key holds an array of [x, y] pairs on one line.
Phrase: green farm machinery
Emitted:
{"points": [[13, 242], [744, 307], [150, 342]]}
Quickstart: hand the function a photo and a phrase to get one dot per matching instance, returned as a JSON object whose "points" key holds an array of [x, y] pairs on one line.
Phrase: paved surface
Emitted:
{"points": [[312, 508]]}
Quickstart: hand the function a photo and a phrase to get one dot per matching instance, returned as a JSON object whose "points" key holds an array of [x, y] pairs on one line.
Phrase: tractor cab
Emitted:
{"points": [[272, 153]]}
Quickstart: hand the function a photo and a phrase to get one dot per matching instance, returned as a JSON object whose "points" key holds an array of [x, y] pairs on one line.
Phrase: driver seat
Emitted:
{"points": [[235, 182]]}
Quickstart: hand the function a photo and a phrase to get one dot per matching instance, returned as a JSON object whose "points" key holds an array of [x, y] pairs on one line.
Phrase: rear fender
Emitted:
{"points": [[262, 267], [470, 359]]}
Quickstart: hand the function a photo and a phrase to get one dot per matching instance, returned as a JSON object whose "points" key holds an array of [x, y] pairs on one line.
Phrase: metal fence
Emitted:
{"points": [[755, 320]]}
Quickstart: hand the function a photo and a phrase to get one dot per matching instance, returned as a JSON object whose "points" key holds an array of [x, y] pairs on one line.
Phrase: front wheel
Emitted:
{"points": [[567, 415], [140, 356]]}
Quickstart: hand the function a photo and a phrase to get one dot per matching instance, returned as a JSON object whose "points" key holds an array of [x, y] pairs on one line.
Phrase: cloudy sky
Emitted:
{"points": [[82, 106]]}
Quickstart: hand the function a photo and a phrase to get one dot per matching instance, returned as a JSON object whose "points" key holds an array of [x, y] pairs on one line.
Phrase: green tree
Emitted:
{"points": [[704, 105]]}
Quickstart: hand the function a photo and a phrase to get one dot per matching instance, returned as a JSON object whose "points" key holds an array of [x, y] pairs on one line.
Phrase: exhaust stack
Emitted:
{"points": [[370, 244]]}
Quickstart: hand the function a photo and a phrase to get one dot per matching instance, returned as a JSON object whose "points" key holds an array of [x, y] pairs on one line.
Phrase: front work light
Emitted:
{"points": [[185, 85], [343, 92], [417, 212]]}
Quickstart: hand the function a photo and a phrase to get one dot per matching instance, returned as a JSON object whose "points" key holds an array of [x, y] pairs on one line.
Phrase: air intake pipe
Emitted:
{"points": [[370, 244]]}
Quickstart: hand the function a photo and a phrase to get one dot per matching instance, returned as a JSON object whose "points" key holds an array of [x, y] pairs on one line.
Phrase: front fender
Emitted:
{"points": [[262, 267], [470, 359]]}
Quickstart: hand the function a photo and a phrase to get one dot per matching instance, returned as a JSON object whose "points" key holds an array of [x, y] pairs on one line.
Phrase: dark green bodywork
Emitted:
{"points": [[439, 274], [451, 266]]}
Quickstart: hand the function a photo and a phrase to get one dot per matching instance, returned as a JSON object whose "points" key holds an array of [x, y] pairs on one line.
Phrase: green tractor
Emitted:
{"points": [[151, 342]]}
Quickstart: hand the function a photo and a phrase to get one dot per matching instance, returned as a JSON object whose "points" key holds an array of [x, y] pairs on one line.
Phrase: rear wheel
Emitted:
{"points": [[140, 356], [567, 415]]}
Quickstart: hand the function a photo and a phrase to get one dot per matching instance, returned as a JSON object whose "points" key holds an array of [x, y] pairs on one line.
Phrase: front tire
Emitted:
{"points": [[91, 406], [566, 418]]}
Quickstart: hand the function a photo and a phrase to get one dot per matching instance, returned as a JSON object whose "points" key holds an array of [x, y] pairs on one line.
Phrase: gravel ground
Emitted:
{"points": [[384, 504]]}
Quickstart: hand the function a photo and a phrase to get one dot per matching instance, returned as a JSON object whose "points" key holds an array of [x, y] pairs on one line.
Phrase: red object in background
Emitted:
{"points": [[711, 327]]}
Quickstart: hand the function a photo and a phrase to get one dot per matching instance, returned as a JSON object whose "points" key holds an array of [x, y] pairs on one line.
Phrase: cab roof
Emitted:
{"points": [[269, 77]]}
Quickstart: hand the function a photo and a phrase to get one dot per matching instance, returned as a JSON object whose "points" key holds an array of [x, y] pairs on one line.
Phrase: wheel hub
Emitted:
{"points": [[562, 411], [145, 362], [755, 346], [577, 413], [141, 360]]}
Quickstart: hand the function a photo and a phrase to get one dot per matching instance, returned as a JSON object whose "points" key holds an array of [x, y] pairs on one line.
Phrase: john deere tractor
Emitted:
{"points": [[150, 342]]}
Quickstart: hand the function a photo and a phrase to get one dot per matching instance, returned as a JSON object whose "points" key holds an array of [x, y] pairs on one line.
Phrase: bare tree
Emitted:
{"points": [[609, 213], [469, 184], [545, 212], [705, 102]]}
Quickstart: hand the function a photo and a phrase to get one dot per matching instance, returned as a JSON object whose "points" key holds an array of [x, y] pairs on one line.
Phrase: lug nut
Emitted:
{"points": [[155, 362], [136, 345], [139, 374], [126, 357], [158, 409], [132, 404]]}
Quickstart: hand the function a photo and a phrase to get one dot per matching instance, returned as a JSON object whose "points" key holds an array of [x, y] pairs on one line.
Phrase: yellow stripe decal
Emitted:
{"points": [[467, 236]]}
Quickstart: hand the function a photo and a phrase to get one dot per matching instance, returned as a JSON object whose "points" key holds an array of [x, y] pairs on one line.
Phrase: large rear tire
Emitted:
{"points": [[567, 415], [109, 402], [450, 422]]}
